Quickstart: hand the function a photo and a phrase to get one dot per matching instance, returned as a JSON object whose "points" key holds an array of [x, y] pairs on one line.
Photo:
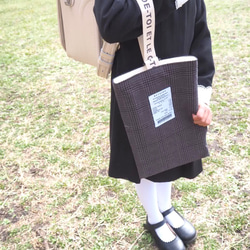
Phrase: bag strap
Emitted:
{"points": [[106, 58], [146, 41]]}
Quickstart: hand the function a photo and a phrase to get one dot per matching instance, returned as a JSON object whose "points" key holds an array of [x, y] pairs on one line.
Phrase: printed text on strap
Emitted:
{"points": [[148, 24]]}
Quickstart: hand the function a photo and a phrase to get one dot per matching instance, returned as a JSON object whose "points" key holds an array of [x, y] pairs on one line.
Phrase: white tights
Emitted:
{"points": [[156, 198]]}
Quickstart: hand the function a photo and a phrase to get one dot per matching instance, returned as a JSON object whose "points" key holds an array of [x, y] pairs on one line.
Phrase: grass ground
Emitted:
{"points": [[54, 147]]}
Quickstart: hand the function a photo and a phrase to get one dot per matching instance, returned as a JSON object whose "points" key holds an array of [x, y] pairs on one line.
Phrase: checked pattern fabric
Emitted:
{"points": [[176, 141]]}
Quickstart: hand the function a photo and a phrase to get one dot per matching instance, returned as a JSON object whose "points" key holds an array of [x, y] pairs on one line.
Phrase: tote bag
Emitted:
{"points": [[156, 103]]}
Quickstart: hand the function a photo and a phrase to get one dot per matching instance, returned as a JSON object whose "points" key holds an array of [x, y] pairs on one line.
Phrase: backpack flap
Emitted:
{"points": [[79, 32]]}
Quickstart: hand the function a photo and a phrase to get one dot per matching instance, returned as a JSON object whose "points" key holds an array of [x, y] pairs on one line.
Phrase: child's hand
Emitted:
{"points": [[203, 116]]}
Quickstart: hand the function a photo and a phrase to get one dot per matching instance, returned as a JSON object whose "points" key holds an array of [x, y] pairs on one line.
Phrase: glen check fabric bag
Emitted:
{"points": [[156, 103]]}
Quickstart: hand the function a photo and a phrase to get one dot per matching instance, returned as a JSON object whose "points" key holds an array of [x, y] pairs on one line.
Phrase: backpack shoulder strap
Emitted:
{"points": [[106, 58]]}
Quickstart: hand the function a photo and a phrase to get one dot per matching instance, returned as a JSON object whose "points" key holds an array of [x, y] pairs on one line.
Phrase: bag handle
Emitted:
{"points": [[146, 41], [150, 59]]}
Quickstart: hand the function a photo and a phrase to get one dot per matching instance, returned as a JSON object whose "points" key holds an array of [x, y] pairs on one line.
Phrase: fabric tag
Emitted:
{"points": [[162, 106]]}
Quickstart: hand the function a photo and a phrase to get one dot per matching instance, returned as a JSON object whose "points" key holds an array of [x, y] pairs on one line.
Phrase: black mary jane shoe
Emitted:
{"points": [[175, 244], [186, 232]]}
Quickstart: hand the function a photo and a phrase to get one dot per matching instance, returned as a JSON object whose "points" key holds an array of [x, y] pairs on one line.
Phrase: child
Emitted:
{"points": [[181, 29]]}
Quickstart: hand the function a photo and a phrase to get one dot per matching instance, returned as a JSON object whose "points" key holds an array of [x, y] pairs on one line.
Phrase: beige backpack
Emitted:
{"points": [[80, 36]]}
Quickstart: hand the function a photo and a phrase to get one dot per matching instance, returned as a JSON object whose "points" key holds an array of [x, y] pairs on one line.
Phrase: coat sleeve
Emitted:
{"points": [[120, 20], [201, 48]]}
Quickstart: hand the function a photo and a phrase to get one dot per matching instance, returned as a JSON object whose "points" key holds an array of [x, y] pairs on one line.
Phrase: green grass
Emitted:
{"points": [[54, 145]]}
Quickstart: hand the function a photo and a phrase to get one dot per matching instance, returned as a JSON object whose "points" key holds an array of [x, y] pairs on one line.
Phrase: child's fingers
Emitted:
{"points": [[203, 116]]}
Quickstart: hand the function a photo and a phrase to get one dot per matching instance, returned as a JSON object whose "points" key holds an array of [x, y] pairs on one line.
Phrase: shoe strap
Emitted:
{"points": [[167, 212], [157, 225]]}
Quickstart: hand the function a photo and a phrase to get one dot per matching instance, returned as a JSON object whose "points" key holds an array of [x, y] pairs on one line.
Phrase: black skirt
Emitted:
{"points": [[122, 164]]}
